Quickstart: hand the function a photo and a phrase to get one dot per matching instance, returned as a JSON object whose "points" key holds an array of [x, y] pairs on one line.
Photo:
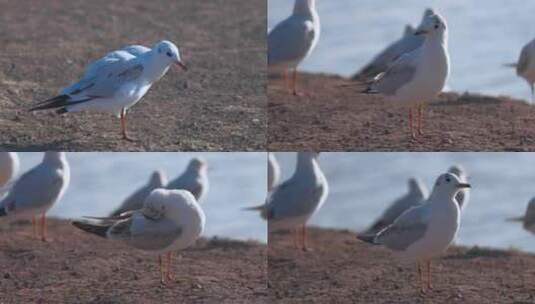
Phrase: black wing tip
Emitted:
{"points": [[368, 238], [100, 230], [52, 103], [3, 211]]}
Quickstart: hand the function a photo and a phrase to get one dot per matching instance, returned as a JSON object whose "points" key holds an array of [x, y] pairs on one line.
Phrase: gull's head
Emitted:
{"points": [[459, 171], [309, 155], [198, 164], [54, 156], [165, 203], [449, 184], [409, 30], [304, 6], [158, 179], [414, 184], [433, 25], [169, 53]]}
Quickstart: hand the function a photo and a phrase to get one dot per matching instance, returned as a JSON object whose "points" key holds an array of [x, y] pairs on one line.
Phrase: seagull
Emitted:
{"points": [[462, 196], [274, 171], [170, 220], [294, 39], [416, 196], [135, 200], [37, 190], [194, 179], [426, 231], [406, 44], [528, 219], [9, 167], [418, 76], [117, 81], [525, 67], [291, 204]]}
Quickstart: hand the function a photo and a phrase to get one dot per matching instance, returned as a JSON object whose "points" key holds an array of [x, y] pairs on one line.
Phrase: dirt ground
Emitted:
{"points": [[332, 115], [342, 269], [219, 104], [76, 267]]}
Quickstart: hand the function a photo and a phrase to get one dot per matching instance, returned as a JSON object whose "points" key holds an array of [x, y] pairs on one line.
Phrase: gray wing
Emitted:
{"points": [[291, 199], [401, 72], [106, 79], [144, 233], [406, 229], [136, 49], [290, 40]]}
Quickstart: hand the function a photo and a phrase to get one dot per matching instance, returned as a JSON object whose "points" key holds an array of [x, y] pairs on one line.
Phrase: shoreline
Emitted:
{"points": [[77, 267], [334, 116]]}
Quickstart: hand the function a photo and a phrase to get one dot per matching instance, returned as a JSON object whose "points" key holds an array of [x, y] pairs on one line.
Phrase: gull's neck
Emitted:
{"points": [[438, 39], [306, 164], [155, 67]]}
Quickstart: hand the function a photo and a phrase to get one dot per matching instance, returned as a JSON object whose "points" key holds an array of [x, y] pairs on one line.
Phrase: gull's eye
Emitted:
{"points": [[437, 26], [169, 54], [448, 179]]}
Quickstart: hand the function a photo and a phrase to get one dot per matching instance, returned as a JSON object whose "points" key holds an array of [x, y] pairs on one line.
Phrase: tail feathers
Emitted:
{"points": [[515, 219], [56, 102], [368, 238], [376, 227], [100, 230], [510, 65], [255, 208]]}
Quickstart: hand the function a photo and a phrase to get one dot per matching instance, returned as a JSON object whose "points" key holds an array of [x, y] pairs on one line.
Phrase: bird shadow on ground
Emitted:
{"points": [[466, 101], [224, 244], [478, 252]]}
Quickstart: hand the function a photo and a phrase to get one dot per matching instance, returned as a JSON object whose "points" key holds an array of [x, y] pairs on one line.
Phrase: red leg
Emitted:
{"points": [[34, 226], [305, 248], [429, 285], [295, 82], [169, 266], [43, 227], [420, 118], [160, 262], [124, 126], [411, 124]]}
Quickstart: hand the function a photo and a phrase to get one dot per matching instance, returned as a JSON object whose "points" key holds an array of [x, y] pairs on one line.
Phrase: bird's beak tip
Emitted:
{"points": [[182, 65], [465, 186], [420, 32]]}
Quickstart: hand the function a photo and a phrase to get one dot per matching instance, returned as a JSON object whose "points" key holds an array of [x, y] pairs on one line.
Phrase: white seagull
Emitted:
{"points": [[135, 200], [528, 220], [9, 167], [426, 231], [416, 196], [292, 40], [419, 76], [525, 67], [194, 179], [291, 204], [462, 196], [117, 81], [406, 44], [274, 171], [37, 190], [170, 220]]}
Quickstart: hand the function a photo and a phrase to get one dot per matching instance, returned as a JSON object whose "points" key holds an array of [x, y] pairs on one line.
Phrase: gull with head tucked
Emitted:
{"points": [[170, 220], [117, 81], [525, 67], [419, 76], [424, 232], [292, 40]]}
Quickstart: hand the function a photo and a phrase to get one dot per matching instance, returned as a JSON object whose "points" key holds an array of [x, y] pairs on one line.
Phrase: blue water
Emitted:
{"points": [[362, 185], [100, 181], [483, 36]]}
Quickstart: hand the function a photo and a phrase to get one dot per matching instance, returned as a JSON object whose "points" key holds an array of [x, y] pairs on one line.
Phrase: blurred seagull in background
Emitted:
{"points": [[406, 44], [426, 231], [528, 220], [419, 76], [37, 190], [9, 167], [292, 40], [416, 196], [463, 196], [135, 200], [525, 67], [117, 81], [291, 204], [170, 220], [194, 179], [274, 171]]}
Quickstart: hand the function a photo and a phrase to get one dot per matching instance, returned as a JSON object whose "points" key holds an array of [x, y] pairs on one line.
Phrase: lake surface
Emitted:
{"points": [[362, 185], [101, 181], [483, 35]]}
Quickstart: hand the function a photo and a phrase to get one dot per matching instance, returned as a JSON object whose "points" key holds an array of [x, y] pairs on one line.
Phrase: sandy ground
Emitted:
{"points": [[341, 269], [76, 267], [219, 104], [332, 115]]}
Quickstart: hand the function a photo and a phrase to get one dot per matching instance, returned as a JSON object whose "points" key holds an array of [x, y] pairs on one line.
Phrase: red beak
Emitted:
{"points": [[181, 65]]}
